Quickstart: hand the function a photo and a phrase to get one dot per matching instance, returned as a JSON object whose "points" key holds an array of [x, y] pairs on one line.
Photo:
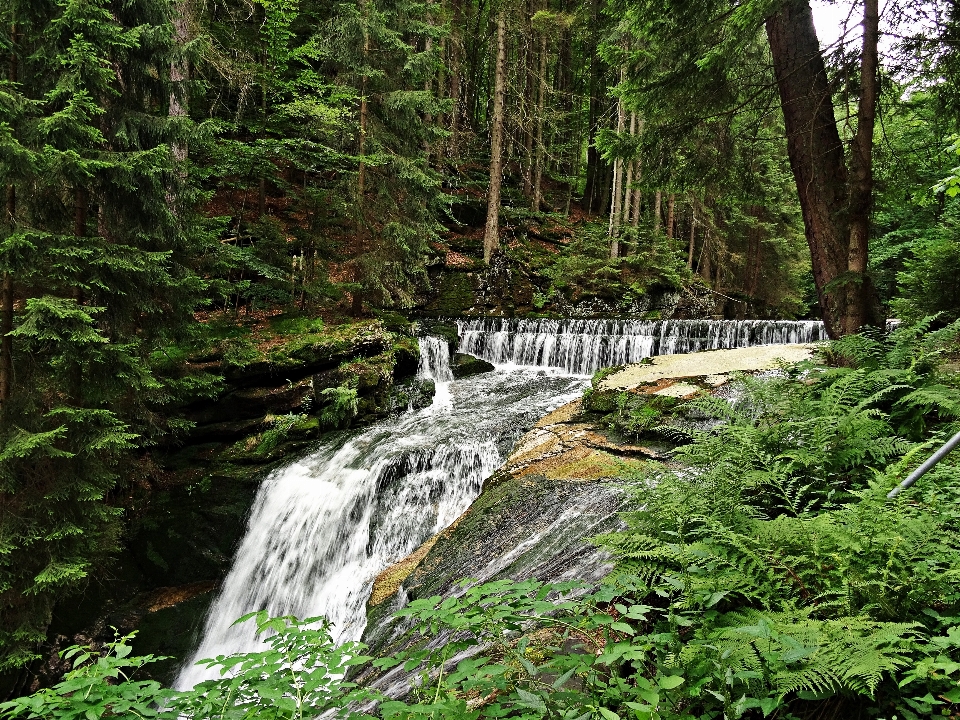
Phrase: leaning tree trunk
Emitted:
{"points": [[835, 210], [491, 234]]}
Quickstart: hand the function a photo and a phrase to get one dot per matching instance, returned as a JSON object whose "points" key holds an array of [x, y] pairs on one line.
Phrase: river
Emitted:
{"points": [[322, 527]]}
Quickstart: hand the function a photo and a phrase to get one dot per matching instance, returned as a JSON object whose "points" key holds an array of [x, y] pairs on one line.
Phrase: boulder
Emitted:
{"points": [[466, 365]]}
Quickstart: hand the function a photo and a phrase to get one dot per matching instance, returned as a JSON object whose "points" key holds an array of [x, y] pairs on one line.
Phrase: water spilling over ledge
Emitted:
{"points": [[324, 526], [581, 347]]}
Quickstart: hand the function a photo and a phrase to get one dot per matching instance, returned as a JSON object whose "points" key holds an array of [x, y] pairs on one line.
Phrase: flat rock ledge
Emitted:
{"points": [[714, 366]]}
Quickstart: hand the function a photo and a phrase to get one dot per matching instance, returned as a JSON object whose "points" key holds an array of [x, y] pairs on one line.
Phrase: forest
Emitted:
{"points": [[207, 197]]}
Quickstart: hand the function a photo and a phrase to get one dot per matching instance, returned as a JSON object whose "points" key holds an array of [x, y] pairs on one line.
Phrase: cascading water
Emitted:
{"points": [[582, 347], [321, 528]]}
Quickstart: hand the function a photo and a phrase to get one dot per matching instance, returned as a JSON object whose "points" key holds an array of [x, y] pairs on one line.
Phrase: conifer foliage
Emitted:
{"points": [[98, 282]]}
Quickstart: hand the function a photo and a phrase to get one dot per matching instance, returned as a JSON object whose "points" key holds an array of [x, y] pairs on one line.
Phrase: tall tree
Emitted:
{"points": [[101, 280], [491, 234], [835, 192], [694, 60]]}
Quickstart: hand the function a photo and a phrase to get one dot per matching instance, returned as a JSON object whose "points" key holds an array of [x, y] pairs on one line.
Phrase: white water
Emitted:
{"points": [[584, 346], [324, 526]]}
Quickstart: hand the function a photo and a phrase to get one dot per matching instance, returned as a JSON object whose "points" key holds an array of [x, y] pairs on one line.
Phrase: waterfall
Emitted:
{"points": [[434, 359], [435, 365], [324, 526], [581, 347]]}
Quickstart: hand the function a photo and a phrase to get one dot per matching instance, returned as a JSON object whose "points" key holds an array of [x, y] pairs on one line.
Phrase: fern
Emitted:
{"points": [[781, 569]]}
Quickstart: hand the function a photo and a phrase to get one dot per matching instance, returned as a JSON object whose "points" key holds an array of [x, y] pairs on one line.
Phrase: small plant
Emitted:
{"points": [[340, 405], [281, 426]]}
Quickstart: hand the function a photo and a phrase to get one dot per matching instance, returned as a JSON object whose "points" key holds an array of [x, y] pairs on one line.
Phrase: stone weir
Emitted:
{"points": [[566, 481], [584, 346]]}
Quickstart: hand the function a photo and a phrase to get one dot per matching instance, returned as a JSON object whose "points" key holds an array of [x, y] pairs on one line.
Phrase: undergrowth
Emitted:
{"points": [[767, 575]]}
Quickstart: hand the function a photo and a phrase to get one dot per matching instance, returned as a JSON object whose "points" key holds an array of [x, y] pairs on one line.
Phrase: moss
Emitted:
{"points": [[394, 321], [455, 295], [295, 324], [386, 584]]}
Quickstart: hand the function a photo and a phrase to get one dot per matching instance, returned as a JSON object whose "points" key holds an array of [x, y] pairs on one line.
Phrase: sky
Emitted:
{"points": [[829, 19]]}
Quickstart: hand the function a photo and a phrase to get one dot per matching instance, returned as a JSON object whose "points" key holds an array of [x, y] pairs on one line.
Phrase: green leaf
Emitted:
{"points": [[670, 681]]}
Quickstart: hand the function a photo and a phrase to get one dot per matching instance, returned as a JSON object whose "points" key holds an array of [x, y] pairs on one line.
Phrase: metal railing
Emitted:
{"points": [[925, 468]]}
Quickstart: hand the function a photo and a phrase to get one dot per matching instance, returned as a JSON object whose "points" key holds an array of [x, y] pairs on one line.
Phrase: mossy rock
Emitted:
{"points": [[456, 294], [447, 331], [600, 401], [406, 357], [414, 394], [467, 365]]}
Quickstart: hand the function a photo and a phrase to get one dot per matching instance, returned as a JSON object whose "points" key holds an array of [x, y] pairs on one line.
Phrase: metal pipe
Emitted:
{"points": [[923, 469]]}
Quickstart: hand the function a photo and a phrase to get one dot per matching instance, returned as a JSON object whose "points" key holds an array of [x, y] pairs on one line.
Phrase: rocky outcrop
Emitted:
{"points": [[184, 526], [535, 518]]}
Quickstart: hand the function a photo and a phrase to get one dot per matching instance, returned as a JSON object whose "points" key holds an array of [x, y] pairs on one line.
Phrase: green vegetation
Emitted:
{"points": [[767, 575], [200, 199]]}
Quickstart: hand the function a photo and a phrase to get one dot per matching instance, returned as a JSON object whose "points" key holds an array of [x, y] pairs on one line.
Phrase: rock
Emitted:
{"points": [[711, 364], [253, 402], [527, 527], [406, 358], [466, 365], [414, 394], [534, 519], [225, 431]]}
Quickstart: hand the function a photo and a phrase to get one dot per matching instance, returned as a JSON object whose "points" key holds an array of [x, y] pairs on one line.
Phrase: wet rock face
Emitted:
{"points": [[466, 365], [413, 394], [528, 527], [535, 519]]}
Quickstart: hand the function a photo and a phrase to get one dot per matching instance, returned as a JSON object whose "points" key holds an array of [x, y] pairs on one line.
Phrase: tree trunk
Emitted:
{"points": [[491, 235], [179, 74], [6, 292], [456, 51], [616, 198], [538, 140], [862, 308], [657, 197], [262, 192], [704, 268], [693, 235], [428, 89], [362, 140], [592, 193], [627, 190], [527, 120], [671, 201], [835, 210]]}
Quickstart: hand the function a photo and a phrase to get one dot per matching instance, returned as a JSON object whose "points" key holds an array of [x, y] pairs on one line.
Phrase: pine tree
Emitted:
{"points": [[100, 280]]}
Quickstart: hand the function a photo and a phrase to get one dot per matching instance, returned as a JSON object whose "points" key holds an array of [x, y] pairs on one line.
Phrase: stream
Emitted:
{"points": [[322, 527]]}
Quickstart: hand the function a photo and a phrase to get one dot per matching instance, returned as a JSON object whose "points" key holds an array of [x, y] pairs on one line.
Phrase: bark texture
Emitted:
{"points": [[491, 234], [834, 201]]}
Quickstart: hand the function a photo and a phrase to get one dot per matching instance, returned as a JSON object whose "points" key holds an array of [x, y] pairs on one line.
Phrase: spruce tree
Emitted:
{"points": [[100, 281]]}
